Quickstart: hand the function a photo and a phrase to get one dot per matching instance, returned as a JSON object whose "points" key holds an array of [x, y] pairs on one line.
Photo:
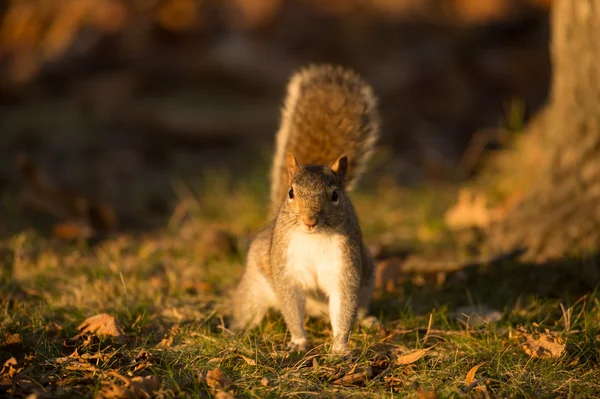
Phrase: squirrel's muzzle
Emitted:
{"points": [[310, 221]]}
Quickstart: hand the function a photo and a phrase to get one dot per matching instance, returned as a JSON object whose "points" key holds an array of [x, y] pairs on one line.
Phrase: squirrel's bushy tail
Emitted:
{"points": [[328, 111]]}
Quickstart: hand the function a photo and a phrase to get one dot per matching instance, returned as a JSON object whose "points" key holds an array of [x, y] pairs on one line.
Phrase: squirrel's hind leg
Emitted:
{"points": [[366, 292], [254, 294], [364, 299], [252, 298]]}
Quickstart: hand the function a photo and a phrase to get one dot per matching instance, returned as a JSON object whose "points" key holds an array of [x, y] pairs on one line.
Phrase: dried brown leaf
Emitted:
{"points": [[75, 365], [216, 379], [356, 376], [102, 324], [471, 374], [134, 388], [11, 368], [53, 328], [423, 394], [168, 339], [542, 345], [12, 344], [393, 381], [411, 357], [223, 395], [144, 386], [11, 339], [249, 362], [166, 342]]}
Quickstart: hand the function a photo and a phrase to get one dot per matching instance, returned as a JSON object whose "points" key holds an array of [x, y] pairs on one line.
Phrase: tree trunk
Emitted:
{"points": [[560, 212]]}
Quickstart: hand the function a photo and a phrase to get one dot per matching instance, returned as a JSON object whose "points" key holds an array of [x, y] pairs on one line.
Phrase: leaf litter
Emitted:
{"points": [[133, 388], [358, 375]]}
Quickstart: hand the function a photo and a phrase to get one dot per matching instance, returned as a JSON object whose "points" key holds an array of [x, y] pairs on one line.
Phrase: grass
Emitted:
{"points": [[169, 293]]}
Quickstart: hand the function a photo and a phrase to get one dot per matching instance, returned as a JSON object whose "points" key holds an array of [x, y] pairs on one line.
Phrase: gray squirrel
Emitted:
{"points": [[311, 258]]}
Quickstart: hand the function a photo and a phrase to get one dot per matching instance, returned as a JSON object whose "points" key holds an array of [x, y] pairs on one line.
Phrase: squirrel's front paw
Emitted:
{"points": [[298, 345]]}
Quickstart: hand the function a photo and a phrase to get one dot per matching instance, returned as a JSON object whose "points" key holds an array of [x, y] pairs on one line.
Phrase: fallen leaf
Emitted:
{"points": [[541, 345], [411, 357], [144, 386], [12, 344], [223, 395], [471, 374], [11, 339], [11, 368], [423, 394], [166, 342], [216, 379], [249, 362], [53, 328], [134, 388], [168, 339], [102, 324], [75, 365], [39, 395], [142, 360], [393, 381], [356, 376]]}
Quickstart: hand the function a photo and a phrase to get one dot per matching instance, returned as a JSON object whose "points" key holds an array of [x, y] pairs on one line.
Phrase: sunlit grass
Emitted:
{"points": [[171, 298]]}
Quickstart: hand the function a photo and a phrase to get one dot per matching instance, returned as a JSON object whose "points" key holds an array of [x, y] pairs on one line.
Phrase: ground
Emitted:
{"points": [[120, 287], [167, 289]]}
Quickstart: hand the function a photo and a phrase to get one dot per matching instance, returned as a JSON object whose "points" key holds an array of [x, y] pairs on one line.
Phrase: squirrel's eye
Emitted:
{"points": [[291, 193], [334, 196]]}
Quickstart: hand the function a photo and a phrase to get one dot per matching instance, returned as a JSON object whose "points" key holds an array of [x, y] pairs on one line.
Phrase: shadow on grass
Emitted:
{"points": [[503, 286]]}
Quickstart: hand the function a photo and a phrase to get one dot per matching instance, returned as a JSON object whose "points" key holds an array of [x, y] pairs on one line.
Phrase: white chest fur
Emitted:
{"points": [[315, 261]]}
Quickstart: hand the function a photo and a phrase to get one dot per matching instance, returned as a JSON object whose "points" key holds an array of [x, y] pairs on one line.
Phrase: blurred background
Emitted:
{"points": [[104, 103]]}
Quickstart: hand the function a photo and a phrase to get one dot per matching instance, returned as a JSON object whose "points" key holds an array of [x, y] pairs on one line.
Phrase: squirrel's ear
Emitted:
{"points": [[340, 167], [292, 165]]}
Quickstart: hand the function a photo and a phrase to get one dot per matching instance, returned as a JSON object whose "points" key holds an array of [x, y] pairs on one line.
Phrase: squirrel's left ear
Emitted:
{"points": [[340, 167]]}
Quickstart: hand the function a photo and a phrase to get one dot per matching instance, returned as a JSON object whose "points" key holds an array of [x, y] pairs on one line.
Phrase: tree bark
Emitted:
{"points": [[560, 212]]}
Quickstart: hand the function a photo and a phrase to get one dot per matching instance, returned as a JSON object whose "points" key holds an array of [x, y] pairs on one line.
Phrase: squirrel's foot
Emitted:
{"points": [[340, 348], [298, 345], [233, 327]]}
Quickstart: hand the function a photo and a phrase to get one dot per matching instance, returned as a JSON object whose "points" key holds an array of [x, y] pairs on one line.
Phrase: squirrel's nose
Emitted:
{"points": [[310, 221]]}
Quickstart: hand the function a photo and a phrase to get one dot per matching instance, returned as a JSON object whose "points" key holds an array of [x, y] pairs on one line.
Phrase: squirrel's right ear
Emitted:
{"points": [[292, 165], [340, 167]]}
